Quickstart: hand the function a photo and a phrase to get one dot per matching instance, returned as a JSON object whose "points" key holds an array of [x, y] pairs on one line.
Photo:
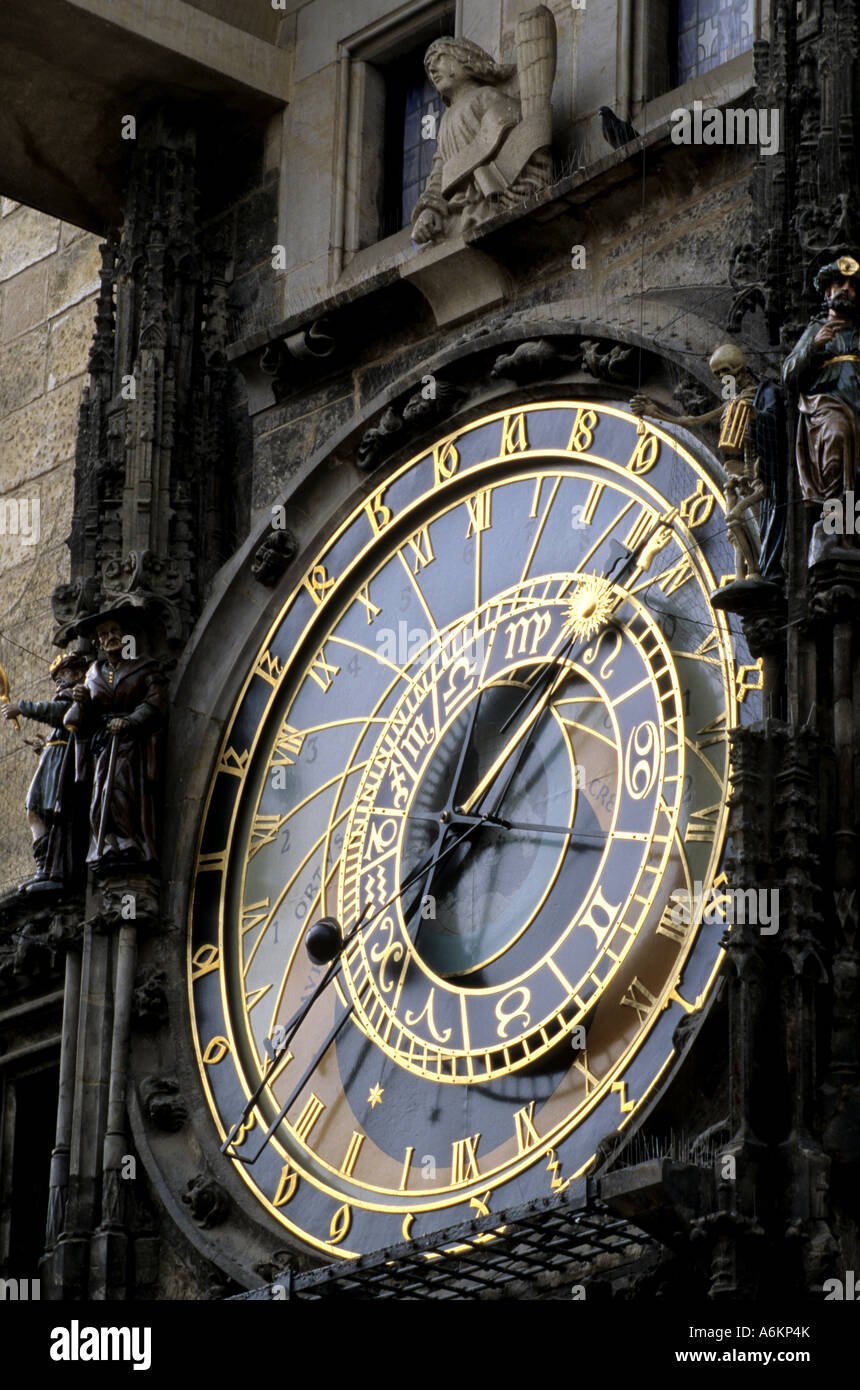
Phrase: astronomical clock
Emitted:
{"points": [[435, 951]]}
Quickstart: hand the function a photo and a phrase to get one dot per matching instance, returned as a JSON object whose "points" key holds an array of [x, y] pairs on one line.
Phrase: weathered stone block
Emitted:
{"points": [[68, 347], [22, 370], [74, 274], [23, 302], [34, 439], [26, 236]]}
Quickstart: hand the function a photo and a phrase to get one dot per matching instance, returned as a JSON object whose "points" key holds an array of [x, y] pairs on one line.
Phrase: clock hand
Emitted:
{"points": [[496, 822], [299, 1018], [513, 743], [630, 564]]}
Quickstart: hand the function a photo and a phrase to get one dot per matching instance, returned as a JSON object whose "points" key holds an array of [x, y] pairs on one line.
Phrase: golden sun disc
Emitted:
{"points": [[590, 606]]}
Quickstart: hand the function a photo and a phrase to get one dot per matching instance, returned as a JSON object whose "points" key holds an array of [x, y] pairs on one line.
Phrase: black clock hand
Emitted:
{"points": [[299, 1018]]}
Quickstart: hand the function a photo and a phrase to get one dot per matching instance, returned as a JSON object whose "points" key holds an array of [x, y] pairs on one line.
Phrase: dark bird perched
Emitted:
{"points": [[615, 131]]}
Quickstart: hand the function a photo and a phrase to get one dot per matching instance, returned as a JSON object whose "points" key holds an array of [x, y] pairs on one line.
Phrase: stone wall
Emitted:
{"points": [[48, 277]]}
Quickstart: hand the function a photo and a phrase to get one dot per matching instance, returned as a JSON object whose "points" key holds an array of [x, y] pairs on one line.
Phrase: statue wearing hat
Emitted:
{"points": [[118, 718], [51, 798], [824, 368], [493, 144]]}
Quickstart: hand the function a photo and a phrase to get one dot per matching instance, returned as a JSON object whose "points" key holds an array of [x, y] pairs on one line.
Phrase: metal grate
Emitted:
{"points": [[540, 1245]]}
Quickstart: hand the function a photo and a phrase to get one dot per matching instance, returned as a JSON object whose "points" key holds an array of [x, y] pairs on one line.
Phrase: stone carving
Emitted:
{"points": [[162, 1103], [692, 397], [52, 798], [152, 506], [824, 369], [528, 362], [436, 398], [493, 142], [118, 715], [70, 603], [279, 1262], [149, 1000], [207, 1201], [272, 557], [158, 581], [749, 443], [373, 440], [616, 363], [131, 898]]}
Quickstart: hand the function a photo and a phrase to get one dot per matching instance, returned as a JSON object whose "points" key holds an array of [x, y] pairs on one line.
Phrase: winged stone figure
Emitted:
{"points": [[493, 145]]}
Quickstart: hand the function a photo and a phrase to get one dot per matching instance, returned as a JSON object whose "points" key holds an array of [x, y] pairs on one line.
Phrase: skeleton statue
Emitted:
{"points": [[493, 143], [750, 420]]}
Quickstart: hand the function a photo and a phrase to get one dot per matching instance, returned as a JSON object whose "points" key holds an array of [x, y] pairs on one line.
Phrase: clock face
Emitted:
{"points": [[488, 735]]}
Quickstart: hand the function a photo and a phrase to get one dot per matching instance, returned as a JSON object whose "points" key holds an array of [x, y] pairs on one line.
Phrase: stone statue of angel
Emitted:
{"points": [[493, 143]]}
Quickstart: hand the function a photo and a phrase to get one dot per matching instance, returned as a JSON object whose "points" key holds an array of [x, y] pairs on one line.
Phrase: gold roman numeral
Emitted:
{"points": [[255, 995], [676, 931], [264, 831], [371, 609], [595, 493], [715, 732], [640, 528], [464, 1160], [311, 1111], [748, 678], [322, 672], [673, 578], [422, 550], [407, 1164], [640, 998], [252, 916], [352, 1152], [288, 746], [479, 509], [702, 825], [581, 1065], [524, 1127]]}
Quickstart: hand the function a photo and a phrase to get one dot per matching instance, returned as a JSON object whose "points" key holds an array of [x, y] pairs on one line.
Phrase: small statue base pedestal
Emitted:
{"points": [[745, 596]]}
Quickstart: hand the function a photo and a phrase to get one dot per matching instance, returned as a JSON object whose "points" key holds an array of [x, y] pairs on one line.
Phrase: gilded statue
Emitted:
{"points": [[750, 417]]}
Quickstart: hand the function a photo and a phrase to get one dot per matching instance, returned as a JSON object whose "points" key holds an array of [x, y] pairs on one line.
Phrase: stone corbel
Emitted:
{"points": [[457, 280]]}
